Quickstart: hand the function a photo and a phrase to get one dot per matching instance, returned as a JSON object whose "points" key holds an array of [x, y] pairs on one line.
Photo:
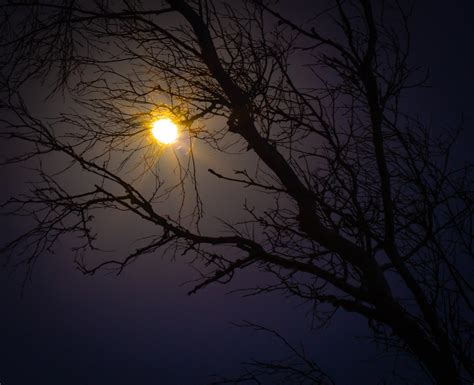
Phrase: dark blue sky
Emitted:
{"points": [[141, 327]]}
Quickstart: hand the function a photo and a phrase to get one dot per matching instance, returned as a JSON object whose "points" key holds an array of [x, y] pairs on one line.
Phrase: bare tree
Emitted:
{"points": [[350, 203]]}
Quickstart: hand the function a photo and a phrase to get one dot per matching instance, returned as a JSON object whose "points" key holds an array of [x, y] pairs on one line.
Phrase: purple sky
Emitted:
{"points": [[141, 327]]}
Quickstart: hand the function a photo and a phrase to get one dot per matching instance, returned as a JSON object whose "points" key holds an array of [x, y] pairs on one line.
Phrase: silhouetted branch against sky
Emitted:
{"points": [[297, 155]]}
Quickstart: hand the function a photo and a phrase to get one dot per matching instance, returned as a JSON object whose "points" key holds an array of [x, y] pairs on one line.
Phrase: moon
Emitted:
{"points": [[165, 131]]}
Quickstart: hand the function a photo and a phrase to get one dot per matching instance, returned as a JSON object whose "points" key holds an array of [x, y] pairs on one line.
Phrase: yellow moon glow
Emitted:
{"points": [[165, 131]]}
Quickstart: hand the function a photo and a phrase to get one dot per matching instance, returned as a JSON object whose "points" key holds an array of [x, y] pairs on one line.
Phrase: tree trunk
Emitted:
{"points": [[439, 363]]}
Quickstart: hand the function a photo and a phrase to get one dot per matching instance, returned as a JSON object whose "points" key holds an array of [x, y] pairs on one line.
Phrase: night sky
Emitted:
{"points": [[142, 327]]}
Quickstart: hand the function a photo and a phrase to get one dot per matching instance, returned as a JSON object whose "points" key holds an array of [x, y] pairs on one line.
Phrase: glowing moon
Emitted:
{"points": [[165, 131]]}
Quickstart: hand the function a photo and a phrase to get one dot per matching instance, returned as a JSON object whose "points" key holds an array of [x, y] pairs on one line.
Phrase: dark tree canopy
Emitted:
{"points": [[297, 156]]}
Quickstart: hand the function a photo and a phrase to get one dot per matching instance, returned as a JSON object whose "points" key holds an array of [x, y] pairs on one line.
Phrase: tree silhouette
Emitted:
{"points": [[350, 202]]}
